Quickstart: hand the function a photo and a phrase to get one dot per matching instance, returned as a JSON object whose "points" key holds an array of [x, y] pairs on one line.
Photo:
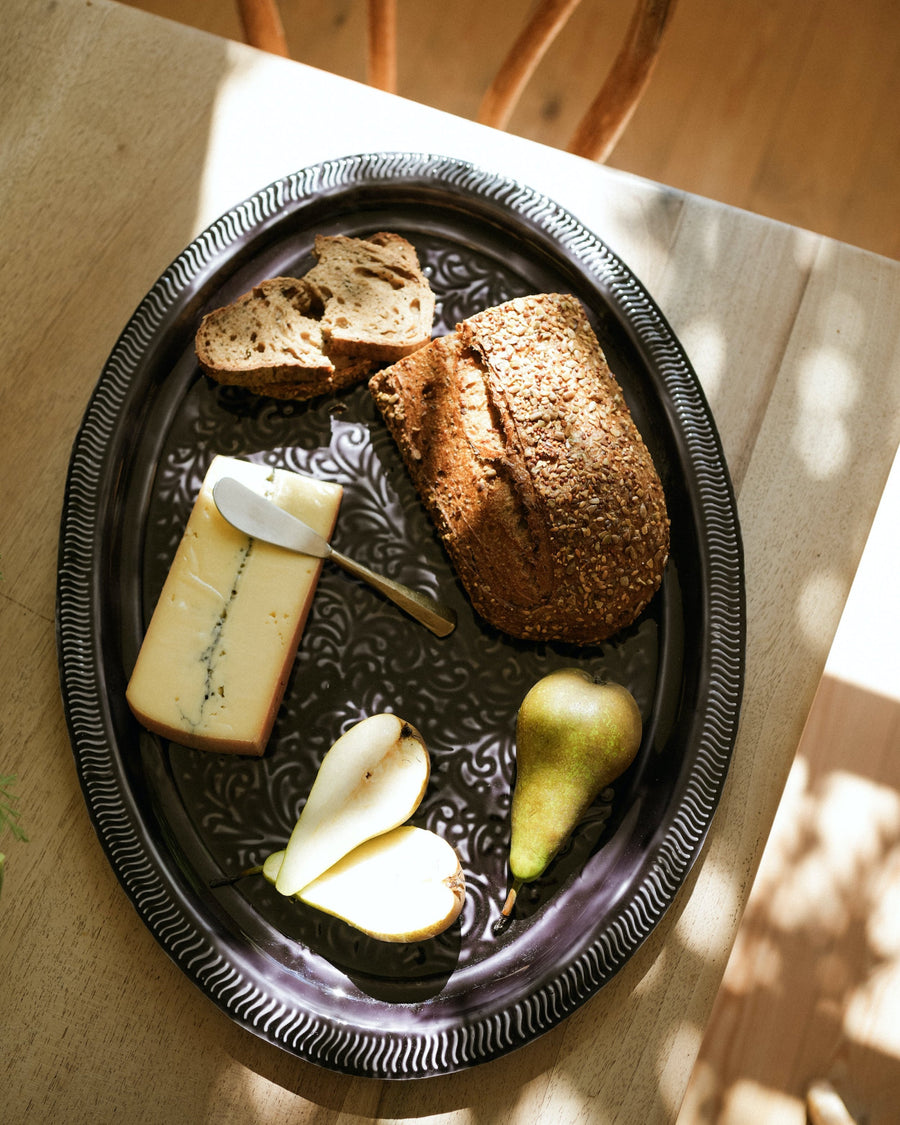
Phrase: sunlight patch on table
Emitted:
{"points": [[239, 159], [704, 341], [819, 944], [840, 314], [883, 928], [872, 1016], [720, 889], [676, 1056], [756, 962], [844, 826], [750, 1103], [255, 1097], [866, 648], [832, 863], [822, 590], [827, 392]]}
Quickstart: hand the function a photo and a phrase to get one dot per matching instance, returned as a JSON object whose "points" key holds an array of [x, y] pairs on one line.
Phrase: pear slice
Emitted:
{"points": [[405, 885], [371, 780]]}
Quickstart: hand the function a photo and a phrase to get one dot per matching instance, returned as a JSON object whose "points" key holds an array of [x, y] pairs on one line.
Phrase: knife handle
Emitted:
{"points": [[434, 615]]}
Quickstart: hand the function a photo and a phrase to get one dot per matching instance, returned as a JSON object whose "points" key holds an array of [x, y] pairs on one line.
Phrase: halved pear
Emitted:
{"points": [[371, 780], [405, 885]]}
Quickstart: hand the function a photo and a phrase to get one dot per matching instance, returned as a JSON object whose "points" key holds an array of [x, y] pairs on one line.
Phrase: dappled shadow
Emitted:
{"points": [[818, 954]]}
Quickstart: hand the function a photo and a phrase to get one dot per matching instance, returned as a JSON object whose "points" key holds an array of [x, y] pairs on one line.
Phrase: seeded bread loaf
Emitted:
{"points": [[366, 302], [523, 451]]}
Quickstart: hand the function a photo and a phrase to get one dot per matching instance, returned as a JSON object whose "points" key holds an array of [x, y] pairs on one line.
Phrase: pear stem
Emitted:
{"points": [[510, 899], [227, 880], [505, 914]]}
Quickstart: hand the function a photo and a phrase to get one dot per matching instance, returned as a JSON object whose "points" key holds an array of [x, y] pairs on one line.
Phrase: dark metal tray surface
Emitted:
{"points": [[173, 820]]}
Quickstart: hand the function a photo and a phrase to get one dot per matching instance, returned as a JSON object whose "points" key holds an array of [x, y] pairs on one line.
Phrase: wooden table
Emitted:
{"points": [[123, 137]]}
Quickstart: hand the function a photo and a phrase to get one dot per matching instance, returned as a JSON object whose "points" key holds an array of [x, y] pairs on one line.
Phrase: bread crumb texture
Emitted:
{"points": [[523, 451]]}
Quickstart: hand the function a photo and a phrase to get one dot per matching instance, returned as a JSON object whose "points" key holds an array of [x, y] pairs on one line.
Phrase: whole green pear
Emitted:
{"points": [[574, 736]]}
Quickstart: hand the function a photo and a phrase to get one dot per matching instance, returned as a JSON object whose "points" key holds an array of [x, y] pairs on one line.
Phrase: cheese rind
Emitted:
{"points": [[218, 651]]}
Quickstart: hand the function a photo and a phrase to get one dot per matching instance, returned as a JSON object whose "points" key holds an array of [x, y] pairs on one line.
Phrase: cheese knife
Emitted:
{"points": [[262, 519]]}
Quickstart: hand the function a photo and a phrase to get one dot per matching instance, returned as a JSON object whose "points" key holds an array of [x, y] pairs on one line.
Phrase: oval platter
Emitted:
{"points": [[173, 821]]}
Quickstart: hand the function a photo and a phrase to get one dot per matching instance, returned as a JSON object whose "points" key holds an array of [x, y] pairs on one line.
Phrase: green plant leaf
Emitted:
{"points": [[9, 814]]}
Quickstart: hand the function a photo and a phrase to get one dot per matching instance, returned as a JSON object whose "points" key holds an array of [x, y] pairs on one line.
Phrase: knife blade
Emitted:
{"points": [[262, 519]]}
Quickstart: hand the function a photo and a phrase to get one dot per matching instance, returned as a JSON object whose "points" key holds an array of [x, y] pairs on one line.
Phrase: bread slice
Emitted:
{"points": [[366, 302], [377, 301], [523, 451], [301, 383], [271, 334]]}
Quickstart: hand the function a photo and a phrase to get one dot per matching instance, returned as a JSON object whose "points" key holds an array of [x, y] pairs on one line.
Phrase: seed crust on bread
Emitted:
{"points": [[524, 453]]}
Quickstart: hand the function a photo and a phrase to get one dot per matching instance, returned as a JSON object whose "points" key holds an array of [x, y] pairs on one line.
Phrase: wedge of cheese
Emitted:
{"points": [[213, 666]]}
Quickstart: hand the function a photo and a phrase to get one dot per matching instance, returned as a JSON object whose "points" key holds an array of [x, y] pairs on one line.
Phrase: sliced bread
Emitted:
{"points": [[366, 302], [377, 301], [271, 334]]}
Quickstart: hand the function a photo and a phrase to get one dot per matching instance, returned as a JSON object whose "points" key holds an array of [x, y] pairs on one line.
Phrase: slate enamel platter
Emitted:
{"points": [[172, 820]]}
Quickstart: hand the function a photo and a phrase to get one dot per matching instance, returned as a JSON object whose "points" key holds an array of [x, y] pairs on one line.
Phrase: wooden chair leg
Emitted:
{"points": [[825, 1107], [517, 68], [262, 25], [601, 126], [382, 61], [611, 110]]}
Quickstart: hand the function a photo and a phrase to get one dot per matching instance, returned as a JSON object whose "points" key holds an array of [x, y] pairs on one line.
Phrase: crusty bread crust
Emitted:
{"points": [[366, 302], [306, 384], [524, 453]]}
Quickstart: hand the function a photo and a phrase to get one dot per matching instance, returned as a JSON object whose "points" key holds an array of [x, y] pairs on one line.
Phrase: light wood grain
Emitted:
{"points": [[123, 136]]}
